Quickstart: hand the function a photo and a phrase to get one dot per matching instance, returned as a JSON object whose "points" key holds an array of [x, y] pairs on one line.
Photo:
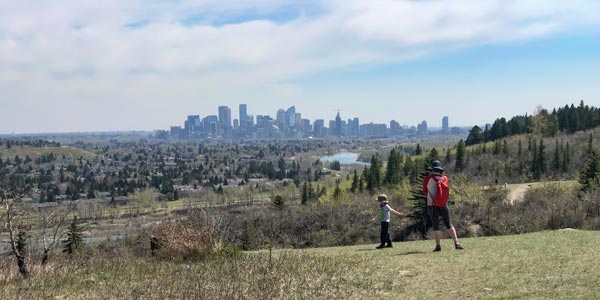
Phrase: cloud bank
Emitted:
{"points": [[94, 52]]}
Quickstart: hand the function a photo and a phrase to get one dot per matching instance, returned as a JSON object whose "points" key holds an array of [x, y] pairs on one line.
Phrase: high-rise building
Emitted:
{"points": [[422, 128], [306, 128], [354, 127], [192, 123], [318, 127], [290, 117], [243, 113], [210, 124], [224, 117], [298, 119], [236, 123], [281, 119], [337, 131], [445, 125], [395, 128]]}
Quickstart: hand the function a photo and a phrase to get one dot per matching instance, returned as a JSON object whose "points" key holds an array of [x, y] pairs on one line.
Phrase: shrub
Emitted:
{"points": [[196, 236]]}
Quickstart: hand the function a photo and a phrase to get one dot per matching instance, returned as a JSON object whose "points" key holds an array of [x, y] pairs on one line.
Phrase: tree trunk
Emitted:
{"points": [[22, 266], [45, 257]]}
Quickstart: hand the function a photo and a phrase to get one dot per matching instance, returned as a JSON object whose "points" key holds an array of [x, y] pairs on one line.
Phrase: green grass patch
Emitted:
{"points": [[547, 265], [33, 152]]}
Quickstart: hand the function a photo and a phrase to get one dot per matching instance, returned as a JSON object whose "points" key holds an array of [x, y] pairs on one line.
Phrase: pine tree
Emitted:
{"points": [[590, 145], [361, 184], [304, 198], [393, 169], [278, 202], [418, 213], [433, 155], [534, 160], [418, 151], [354, 186], [460, 156], [566, 159], [590, 174], [337, 192], [542, 157], [74, 239], [556, 158]]}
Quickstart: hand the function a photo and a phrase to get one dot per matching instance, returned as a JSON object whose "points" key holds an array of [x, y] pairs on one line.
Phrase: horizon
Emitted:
{"points": [[120, 66]]}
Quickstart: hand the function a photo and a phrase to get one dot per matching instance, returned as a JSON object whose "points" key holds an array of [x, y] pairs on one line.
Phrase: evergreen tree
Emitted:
{"points": [[74, 239], [418, 213], [556, 158], [475, 136], [304, 197], [278, 202], [354, 186], [337, 192], [433, 155], [534, 160], [542, 157], [566, 159], [393, 169], [418, 151], [374, 173], [590, 174], [448, 157], [361, 184], [590, 145], [460, 156]]}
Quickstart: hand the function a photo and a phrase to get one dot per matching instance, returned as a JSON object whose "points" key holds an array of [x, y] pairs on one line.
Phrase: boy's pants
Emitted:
{"points": [[385, 235]]}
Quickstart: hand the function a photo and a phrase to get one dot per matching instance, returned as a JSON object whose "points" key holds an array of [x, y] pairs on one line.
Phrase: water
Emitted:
{"points": [[345, 158]]}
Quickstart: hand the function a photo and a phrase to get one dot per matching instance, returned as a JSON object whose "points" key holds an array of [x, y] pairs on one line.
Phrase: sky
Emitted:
{"points": [[115, 65]]}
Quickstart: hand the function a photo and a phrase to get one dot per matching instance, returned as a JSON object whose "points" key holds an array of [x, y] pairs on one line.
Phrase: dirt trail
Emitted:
{"points": [[517, 192]]}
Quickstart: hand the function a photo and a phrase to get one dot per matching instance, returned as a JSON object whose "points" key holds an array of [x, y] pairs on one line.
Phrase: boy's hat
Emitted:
{"points": [[382, 198], [436, 165]]}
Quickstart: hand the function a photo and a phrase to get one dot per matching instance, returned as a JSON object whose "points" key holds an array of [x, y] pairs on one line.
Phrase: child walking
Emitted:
{"points": [[384, 218]]}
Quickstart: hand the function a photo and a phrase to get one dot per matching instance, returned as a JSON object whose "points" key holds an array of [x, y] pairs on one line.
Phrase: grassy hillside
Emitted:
{"points": [[547, 265], [34, 152]]}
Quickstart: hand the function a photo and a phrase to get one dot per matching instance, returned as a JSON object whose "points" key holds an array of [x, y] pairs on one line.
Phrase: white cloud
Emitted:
{"points": [[84, 45]]}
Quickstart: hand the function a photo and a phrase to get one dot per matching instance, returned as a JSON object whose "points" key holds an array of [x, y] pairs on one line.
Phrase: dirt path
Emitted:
{"points": [[517, 192]]}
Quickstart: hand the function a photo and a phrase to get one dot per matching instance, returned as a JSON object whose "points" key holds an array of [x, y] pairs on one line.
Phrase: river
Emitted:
{"points": [[345, 158]]}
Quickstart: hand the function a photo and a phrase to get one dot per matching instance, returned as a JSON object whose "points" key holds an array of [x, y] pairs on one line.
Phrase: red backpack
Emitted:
{"points": [[443, 190]]}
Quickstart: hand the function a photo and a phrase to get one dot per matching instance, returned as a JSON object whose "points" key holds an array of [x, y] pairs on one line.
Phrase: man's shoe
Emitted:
{"points": [[438, 248], [380, 246], [458, 246], [389, 246]]}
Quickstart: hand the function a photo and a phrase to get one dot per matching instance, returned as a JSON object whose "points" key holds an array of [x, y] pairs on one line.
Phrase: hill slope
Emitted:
{"points": [[547, 265]]}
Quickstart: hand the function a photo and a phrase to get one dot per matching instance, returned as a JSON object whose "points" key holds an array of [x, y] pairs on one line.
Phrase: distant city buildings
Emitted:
{"points": [[289, 123], [445, 124]]}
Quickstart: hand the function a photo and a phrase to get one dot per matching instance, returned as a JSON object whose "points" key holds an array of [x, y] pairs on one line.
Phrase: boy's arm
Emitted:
{"points": [[400, 214]]}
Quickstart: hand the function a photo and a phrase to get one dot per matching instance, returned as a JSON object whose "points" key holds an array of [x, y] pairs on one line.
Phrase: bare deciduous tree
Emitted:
{"points": [[10, 199], [53, 228]]}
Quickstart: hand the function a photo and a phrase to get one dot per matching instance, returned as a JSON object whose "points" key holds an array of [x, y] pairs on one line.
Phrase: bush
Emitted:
{"points": [[195, 237]]}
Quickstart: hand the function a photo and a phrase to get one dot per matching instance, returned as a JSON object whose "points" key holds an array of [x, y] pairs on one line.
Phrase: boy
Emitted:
{"points": [[384, 218]]}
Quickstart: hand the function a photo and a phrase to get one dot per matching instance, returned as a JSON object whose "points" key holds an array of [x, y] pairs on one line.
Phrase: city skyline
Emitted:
{"points": [[289, 123], [133, 65]]}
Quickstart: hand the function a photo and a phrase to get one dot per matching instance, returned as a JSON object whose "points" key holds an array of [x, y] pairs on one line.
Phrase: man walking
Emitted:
{"points": [[435, 186]]}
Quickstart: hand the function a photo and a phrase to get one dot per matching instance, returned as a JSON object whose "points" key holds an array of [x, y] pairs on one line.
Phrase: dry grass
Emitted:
{"points": [[546, 265]]}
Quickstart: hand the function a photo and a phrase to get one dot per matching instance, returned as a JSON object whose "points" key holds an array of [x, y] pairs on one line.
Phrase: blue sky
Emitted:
{"points": [[144, 65]]}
